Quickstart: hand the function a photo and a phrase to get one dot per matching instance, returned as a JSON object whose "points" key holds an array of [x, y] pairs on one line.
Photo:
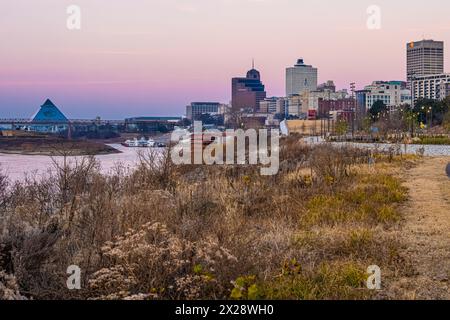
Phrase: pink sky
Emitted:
{"points": [[152, 57]]}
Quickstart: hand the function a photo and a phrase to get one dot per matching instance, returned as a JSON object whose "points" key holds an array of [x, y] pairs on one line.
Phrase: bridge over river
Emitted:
{"points": [[16, 123]]}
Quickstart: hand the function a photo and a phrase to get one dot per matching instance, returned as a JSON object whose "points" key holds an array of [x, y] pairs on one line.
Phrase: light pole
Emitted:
{"points": [[430, 111]]}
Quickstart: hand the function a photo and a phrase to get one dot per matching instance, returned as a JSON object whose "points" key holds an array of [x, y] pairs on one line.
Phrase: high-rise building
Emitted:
{"points": [[444, 90], [300, 78], [247, 92], [430, 87], [424, 58]]}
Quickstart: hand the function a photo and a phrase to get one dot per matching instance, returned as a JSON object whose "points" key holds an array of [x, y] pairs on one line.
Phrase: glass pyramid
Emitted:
{"points": [[49, 113]]}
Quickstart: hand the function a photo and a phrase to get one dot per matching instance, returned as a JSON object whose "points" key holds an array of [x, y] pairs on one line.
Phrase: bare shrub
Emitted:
{"points": [[332, 165], [155, 261], [9, 289]]}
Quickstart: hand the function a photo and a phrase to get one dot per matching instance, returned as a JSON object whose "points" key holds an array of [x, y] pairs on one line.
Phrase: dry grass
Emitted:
{"points": [[196, 232]]}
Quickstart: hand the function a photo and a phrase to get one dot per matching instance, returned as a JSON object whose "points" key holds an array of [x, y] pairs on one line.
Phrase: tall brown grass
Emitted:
{"points": [[196, 232]]}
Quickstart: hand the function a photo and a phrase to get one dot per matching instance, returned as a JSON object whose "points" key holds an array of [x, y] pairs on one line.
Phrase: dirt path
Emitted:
{"points": [[426, 233]]}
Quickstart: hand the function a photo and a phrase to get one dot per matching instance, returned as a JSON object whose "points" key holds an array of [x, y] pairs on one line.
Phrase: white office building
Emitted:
{"points": [[431, 87], [300, 78], [392, 93]]}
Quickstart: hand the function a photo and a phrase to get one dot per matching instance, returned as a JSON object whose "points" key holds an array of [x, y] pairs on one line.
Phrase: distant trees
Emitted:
{"points": [[378, 108], [280, 116], [366, 124], [234, 119], [207, 118], [342, 127], [94, 131], [185, 122], [446, 121], [403, 118], [432, 111]]}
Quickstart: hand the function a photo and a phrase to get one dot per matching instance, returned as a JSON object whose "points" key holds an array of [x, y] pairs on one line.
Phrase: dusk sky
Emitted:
{"points": [[153, 57]]}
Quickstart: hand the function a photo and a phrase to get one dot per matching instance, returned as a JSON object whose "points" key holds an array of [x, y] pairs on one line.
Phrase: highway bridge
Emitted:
{"points": [[26, 122], [139, 124]]}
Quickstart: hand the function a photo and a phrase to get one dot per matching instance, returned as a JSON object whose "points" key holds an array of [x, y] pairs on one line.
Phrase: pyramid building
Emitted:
{"points": [[49, 113]]}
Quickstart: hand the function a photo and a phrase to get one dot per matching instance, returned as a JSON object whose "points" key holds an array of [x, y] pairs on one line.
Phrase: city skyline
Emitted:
{"points": [[154, 59]]}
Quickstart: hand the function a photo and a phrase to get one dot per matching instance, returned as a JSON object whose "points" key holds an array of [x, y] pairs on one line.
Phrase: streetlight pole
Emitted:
{"points": [[430, 110]]}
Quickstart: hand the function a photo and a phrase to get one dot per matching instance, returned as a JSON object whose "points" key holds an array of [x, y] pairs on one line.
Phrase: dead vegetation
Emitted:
{"points": [[202, 232]]}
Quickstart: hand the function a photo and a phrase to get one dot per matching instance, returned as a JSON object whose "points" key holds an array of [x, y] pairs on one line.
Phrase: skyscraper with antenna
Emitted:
{"points": [[248, 92]]}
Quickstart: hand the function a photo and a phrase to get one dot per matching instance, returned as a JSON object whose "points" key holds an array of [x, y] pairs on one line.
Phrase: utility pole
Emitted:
{"points": [[69, 131], [353, 89]]}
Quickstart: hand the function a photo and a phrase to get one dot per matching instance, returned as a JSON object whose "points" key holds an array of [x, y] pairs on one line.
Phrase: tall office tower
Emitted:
{"points": [[424, 58], [247, 92], [300, 78]]}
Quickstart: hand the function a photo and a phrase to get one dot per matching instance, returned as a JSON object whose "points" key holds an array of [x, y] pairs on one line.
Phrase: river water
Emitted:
{"points": [[17, 166]]}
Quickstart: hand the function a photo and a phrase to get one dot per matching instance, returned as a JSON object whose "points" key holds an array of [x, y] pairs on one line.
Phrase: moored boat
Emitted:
{"points": [[141, 143]]}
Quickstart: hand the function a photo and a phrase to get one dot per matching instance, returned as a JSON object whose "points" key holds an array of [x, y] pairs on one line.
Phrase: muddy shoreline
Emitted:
{"points": [[53, 147]]}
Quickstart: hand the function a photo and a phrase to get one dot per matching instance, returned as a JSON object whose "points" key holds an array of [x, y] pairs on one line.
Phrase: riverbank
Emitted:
{"points": [[48, 146]]}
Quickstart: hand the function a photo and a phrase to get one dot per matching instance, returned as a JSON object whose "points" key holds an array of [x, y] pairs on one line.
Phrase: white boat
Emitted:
{"points": [[141, 143], [131, 143], [151, 143]]}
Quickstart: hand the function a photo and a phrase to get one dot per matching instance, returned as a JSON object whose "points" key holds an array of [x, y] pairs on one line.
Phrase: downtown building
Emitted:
{"points": [[435, 87], [342, 106], [361, 102], [392, 93], [294, 107], [425, 70], [248, 92], [310, 104], [424, 58], [300, 78], [197, 109], [274, 105], [324, 92], [269, 105]]}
